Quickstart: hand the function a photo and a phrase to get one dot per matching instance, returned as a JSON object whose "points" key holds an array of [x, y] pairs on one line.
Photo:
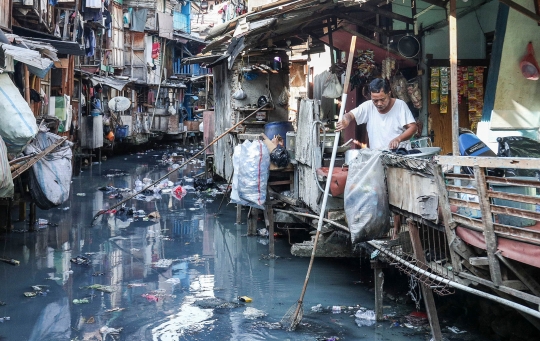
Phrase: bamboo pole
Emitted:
{"points": [[185, 163], [452, 25]]}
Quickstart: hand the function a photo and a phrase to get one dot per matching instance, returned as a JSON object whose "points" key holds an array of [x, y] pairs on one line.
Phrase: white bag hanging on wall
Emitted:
{"points": [[17, 122], [332, 87]]}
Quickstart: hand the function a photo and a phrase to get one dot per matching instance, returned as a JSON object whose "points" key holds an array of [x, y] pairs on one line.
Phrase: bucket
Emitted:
{"points": [[511, 220], [278, 128], [121, 132]]}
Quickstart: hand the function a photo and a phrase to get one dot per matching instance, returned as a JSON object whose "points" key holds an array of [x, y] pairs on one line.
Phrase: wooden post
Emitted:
{"points": [[65, 35], [452, 27], [238, 214], [269, 220], [22, 210], [26, 84], [9, 225], [487, 220], [449, 224], [378, 274], [429, 301], [252, 221], [331, 42]]}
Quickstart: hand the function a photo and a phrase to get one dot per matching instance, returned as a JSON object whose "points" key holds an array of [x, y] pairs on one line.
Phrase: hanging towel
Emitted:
{"points": [[139, 19]]}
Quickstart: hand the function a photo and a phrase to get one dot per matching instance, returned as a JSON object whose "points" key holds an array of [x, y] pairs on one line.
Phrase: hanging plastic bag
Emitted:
{"points": [[253, 173], [332, 87], [235, 198], [365, 200], [6, 182], [239, 94], [283, 98]]}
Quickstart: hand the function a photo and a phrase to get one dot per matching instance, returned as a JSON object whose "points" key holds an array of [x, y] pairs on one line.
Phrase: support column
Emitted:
{"points": [[252, 221], [238, 214], [427, 293], [378, 274], [33, 219], [22, 210], [269, 221]]}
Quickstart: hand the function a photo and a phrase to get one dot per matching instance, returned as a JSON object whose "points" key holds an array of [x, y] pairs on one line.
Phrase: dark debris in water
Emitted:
{"points": [[216, 303]]}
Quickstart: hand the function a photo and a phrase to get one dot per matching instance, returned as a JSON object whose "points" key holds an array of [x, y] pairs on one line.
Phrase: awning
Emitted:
{"points": [[27, 56], [64, 47], [200, 59], [188, 37], [114, 83]]}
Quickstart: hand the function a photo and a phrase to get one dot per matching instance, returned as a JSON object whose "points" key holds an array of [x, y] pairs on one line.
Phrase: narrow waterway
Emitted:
{"points": [[175, 277]]}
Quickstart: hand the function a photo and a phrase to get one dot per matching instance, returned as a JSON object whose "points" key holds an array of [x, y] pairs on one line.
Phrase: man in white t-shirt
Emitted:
{"points": [[389, 120]]}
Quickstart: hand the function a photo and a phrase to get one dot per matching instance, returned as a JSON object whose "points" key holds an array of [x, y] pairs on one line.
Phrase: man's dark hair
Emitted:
{"points": [[379, 84]]}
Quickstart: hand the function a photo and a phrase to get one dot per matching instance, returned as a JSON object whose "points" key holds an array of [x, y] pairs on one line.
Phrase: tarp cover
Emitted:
{"points": [[50, 178], [17, 122], [6, 182]]}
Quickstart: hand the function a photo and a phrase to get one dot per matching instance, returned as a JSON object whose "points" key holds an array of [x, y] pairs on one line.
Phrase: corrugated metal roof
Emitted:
{"points": [[27, 56]]}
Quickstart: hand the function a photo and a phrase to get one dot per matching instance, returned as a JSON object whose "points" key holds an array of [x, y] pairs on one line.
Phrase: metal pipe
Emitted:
{"points": [[344, 228], [456, 285]]}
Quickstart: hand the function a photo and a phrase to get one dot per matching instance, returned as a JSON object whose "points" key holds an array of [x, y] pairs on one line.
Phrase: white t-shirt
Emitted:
{"points": [[383, 128]]}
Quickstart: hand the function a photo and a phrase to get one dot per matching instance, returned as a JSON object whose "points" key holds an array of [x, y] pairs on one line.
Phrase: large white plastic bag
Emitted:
{"points": [[17, 122], [6, 182], [253, 173], [366, 199], [235, 198], [50, 177]]}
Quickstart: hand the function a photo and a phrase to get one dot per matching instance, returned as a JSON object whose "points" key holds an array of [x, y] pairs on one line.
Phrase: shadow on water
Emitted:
{"points": [[172, 278]]}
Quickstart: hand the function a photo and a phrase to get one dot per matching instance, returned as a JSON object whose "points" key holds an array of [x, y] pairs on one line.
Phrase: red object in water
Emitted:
{"points": [[418, 314], [150, 298], [528, 66], [179, 192]]}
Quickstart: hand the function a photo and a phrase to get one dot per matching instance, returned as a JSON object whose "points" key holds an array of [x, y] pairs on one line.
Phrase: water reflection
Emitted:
{"points": [[173, 278]]}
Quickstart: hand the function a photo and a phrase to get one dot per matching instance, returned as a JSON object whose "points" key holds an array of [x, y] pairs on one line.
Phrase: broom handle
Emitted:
{"points": [[185, 163], [329, 179]]}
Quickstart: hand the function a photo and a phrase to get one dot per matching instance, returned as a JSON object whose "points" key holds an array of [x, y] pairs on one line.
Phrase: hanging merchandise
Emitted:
{"points": [[332, 87], [399, 87], [434, 85], [363, 67], [283, 98], [444, 90], [388, 67], [415, 93]]}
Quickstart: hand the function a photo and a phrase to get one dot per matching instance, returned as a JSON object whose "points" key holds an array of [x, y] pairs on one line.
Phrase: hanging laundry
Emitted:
{"points": [[93, 4], [155, 50], [139, 20], [151, 97], [89, 42]]}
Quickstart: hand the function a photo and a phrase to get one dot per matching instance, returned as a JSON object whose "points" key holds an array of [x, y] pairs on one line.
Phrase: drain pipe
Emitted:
{"points": [[456, 285]]}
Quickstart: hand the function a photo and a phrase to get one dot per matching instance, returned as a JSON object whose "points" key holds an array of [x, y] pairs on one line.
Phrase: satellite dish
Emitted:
{"points": [[119, 103]]}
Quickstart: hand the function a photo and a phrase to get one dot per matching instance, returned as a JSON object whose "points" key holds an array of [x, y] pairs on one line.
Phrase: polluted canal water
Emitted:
{"points": [[175, 274]]}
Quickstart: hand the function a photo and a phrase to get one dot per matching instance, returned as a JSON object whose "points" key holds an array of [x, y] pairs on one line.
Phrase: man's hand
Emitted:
{"points": [[344, 123], [394, 143]]}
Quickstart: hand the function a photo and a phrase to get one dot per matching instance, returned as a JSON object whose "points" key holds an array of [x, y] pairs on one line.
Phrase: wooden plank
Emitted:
{"points": [[285, 199], [464, 203], [515, 212], [379, 291], [489, 162], [238, 214], [512, 182], [429, 301], [279, 182], [460, 189], [489, 232], [522, 274], [522, 10], [515, 284], [38, 157], [359, 22], [455, 176], [529, 199], [448, 220], [478, 261], [507, 290]]}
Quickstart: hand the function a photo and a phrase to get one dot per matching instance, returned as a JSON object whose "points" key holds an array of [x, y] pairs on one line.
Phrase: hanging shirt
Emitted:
{"points": [[383, 128], [89, 42]]}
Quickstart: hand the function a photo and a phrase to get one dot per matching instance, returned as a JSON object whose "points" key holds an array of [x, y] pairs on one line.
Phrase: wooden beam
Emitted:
{"points": [[429, 301], [487, 220], [378, 274], [386, 13], [478, 261], [522, 10], [489, 162], [360, 23], [452, 22], [27, 84], [522, 274], [369, 40]]}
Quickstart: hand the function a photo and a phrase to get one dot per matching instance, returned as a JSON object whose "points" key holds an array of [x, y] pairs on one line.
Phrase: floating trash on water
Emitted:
{"points": [[81, 301], [163, 263], [173, 281], [456, 330], [150, 297], [2, 303], [317, 308], [104, 288], [30, 294], [179, 192], [105, 331], [216, 303], [245, 299], [365, 318], [5, 318], [253, 314], [114, 309], [63, 208], [136, 285], [81, 194], [81, 260], [91, 320], [51, 278], [98, 274], [336, 309]]}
